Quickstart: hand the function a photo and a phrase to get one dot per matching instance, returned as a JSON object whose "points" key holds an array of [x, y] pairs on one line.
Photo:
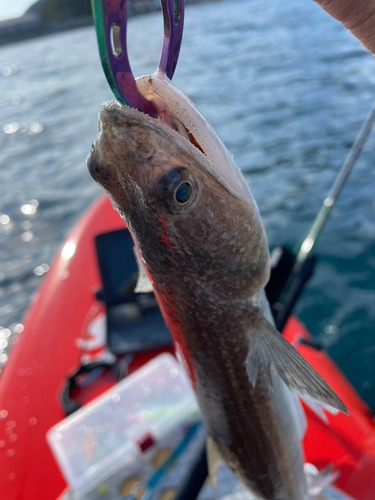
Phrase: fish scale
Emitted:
{"points": [[210, 287]]}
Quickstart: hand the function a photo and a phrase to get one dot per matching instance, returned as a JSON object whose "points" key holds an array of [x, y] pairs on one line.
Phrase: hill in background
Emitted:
{"points": [[48, 16]]}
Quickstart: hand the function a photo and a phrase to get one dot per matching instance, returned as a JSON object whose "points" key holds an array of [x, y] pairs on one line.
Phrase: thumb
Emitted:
{"points": [[358, 16]]}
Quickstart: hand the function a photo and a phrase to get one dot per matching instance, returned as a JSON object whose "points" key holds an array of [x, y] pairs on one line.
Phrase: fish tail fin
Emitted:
{"points": [[318, 480], [268, 347]]}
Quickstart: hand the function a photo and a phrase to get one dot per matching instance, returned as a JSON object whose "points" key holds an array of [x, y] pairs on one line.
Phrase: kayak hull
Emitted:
{"points": [[51, 346]]}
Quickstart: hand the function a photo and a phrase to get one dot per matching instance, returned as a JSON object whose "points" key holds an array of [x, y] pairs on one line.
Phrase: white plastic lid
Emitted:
{"points": [[110, 432]]}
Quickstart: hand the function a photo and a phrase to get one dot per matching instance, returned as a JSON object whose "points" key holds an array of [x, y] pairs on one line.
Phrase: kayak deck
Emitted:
{"points": [[51, 347]]}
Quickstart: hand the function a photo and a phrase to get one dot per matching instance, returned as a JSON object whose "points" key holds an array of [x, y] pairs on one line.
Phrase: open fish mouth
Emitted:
{"points": [[178, 113], [115, 111]]}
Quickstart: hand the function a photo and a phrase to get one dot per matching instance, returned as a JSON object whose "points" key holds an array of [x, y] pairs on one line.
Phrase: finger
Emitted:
{"points": [[358, 16]]}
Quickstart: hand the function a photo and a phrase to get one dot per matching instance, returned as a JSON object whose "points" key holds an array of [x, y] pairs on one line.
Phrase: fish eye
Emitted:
{"points": [[177, 190], [183, 193]]}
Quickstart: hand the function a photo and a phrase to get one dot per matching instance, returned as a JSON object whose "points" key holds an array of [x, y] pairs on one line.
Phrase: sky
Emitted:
{"points": [[13, 8]]}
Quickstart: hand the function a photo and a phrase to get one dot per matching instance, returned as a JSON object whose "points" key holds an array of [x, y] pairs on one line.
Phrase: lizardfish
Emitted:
{"points": [[198, 231]]}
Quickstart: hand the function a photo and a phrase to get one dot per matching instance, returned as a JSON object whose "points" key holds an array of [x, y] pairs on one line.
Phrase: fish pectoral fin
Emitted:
{"points": [[213, 460], [268, 347], [319, 408]]}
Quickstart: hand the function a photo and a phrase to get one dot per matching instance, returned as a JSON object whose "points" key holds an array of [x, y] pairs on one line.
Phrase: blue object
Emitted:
{"points": [[160, 471]]}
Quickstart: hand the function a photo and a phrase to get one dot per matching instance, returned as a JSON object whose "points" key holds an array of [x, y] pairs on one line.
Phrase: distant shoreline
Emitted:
{"points": [[41, 30], [14, 30]]}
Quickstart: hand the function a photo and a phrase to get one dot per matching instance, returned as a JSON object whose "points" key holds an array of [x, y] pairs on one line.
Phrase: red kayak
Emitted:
{"points": [[62, 328]]}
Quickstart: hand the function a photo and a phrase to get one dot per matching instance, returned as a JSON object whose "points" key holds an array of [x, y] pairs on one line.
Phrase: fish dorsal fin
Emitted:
{"points": [[267, 346], [213, 460], [144, 284]]}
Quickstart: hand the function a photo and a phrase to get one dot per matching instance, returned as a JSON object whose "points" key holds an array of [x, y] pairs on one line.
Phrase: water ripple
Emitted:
{"points": [[285, 87]]}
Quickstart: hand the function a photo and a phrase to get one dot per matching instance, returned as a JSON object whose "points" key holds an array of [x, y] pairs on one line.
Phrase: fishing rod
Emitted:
{"points": [[292, 270], [316, 227], [303, 258]]}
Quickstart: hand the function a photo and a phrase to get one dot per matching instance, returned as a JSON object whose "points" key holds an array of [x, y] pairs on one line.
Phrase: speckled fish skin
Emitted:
{"points": [[206, 271], [208, 263]]}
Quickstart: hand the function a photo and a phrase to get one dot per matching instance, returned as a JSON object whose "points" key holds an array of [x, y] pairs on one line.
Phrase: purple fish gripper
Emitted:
{"points": [[116, 61]]}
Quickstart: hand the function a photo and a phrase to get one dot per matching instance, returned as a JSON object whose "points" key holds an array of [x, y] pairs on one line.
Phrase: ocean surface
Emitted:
{"points": [[286, 88]]}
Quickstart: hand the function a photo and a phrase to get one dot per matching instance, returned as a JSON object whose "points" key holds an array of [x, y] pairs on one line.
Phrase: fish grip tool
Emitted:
{"points": [[110, 19]]}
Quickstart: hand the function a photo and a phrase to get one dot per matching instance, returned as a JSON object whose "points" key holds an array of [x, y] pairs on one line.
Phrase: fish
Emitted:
{"points": [[199, 235]]}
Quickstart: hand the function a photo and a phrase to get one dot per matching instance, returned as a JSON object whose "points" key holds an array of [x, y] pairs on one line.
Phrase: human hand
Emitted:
{"points": [[358, 16]]}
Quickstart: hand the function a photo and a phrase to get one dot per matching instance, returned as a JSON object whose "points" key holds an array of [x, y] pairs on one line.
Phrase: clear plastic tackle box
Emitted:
{"points": [[112, 432]]}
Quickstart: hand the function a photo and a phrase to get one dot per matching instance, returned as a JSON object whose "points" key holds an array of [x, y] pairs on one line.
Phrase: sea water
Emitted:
{"points": [[286, 88]]}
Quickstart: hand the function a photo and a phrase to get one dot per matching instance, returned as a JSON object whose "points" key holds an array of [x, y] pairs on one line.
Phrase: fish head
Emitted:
{"points": [[182, 216]]}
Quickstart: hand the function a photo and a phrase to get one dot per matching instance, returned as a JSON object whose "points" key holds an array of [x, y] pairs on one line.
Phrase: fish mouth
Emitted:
{"points": [[97, 171], [112, 109], [178, 114], [114, 114], [111, 114]]}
